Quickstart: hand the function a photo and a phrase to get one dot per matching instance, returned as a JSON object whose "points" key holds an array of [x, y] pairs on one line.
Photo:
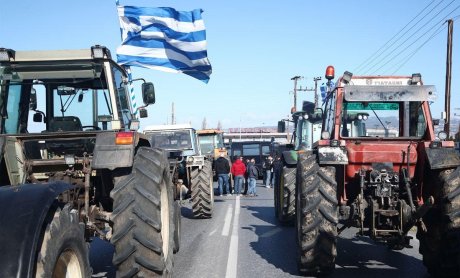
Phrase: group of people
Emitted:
{"points": [[244, 173]]}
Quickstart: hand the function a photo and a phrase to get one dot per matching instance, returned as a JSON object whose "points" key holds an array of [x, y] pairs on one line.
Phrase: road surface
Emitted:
{"points": [[243, 239]]}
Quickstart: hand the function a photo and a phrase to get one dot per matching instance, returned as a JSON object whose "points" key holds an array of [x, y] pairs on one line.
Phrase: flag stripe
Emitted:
{"points": [[164, 45], [175, 65], [164, 12]]}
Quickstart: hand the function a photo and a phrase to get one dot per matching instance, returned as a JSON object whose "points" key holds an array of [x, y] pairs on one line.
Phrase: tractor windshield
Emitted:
{"points": [[209, 142], [383, 119], [171, 139], [51, 96]]}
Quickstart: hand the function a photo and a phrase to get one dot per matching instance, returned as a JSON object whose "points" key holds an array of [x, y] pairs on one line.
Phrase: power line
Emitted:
{"points": [[437, 32], [373, 56], [410, 37]]}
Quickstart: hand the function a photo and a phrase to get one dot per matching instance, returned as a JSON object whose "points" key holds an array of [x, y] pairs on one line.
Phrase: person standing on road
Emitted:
{"points": [[253, 174], [222, 167], [238, 171], [268, 166]]}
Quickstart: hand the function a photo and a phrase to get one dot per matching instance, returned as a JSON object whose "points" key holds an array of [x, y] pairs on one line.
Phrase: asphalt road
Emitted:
{"points": [[243, 239]]}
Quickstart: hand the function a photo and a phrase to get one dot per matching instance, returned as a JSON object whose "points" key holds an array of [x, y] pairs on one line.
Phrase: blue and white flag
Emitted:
{"points": [[164, 39]]}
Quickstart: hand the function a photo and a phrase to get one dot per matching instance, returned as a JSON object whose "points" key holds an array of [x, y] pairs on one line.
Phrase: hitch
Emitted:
{"points": [[419, 213]]}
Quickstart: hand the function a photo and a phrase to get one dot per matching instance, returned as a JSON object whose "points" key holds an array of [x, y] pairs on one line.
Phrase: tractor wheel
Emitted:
{"points": [[63, 251], [177, 226], [202, 191], [316, 215], [440, 241], [143, 224], [285, 195]]}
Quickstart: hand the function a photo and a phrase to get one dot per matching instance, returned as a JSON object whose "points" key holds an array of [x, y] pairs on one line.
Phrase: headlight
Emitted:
{"points": [[442, 135], [190, 159], [305, 117], [365, 117], [325, 135], [360, 117]]}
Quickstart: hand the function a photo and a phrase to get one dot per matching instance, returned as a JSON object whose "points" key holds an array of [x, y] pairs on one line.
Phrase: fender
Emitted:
{"points": [[290, 157], [108, 155], [23, 209], [332, 155], [441, 158]]}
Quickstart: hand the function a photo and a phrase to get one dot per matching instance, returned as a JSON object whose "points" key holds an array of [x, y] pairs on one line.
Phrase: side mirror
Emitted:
{"points": [[281, 126], [435, 122], [143, 113], [33, 100], [148, 93], [38, 118]]}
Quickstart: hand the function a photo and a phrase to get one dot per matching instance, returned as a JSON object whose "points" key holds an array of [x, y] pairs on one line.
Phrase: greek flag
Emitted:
{"points": [[164, 39]]}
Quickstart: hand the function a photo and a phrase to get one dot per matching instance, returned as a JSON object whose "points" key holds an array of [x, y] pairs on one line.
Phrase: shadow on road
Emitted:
{"points": [[356, 256]]}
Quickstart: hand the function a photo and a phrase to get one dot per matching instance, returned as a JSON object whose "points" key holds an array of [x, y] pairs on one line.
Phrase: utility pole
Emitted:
{"points": [[316, 79], [295, 78], [173, 120], [450, 28]]}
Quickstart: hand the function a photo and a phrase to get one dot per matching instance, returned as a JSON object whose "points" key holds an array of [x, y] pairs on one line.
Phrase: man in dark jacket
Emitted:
{"points": [[222, 168], [252, 177]]}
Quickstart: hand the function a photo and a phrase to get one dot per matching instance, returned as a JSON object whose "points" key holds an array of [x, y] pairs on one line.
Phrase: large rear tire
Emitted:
{"points": [[63, 250], [316, 216], [177, 226], [439, 244], [142, 217], [284, 195], [202, 191]]}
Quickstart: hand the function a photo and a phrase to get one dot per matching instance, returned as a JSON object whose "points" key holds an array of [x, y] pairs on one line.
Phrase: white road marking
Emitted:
{"points": [[227, 221], [212, 232], [232, 262]]}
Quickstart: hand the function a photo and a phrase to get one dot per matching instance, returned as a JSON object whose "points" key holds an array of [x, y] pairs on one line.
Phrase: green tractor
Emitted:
{"points": [[307, 130]]}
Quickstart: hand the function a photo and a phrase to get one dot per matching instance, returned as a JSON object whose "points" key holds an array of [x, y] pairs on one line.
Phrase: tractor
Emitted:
{"points": [[307, 130], [212, 145], [191, 172], [73, 167], [379, 167]]}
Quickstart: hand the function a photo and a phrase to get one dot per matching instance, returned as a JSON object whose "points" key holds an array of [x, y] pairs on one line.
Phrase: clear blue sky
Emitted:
{"points": [[255, 47]]}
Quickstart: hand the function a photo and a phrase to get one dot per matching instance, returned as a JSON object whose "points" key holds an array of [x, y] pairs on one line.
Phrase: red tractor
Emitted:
{"points": [[380, 167]]}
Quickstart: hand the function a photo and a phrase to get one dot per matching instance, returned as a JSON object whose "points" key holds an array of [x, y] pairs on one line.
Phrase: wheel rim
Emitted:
{"points": [[165, 219], [68, 265]]}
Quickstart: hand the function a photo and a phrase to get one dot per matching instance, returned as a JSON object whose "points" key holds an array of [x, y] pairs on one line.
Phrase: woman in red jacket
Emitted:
{"points": [[238, 171]]}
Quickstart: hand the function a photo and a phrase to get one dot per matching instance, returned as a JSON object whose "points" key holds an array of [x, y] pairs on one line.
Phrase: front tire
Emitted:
{"points": [[284, 194], [202, 191], [142, 217], [64, 251], [439, 243], [316, 216]]}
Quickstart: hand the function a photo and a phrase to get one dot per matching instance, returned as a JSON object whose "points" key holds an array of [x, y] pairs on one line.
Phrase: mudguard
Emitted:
{"points": [[441, 158], [290, 157], [108, 155], [23, 209], [332, 155]]}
